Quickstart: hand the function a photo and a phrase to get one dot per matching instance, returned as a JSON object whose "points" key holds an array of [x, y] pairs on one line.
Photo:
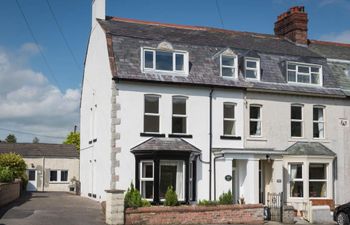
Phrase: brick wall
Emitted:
{"points": [[223, 214], [9, 192]]}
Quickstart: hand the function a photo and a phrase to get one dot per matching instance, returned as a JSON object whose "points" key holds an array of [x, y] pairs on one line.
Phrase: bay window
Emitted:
{"points": [[296, 121], [229, 119], [146, 179], [151, 114], [179, 117], [255, 120], [296, 180], [317, 180], [318, 122], [172, 174], [304, 73]]}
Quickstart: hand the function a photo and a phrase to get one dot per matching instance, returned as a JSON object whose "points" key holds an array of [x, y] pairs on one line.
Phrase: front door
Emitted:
{"points": [[32, 180]]}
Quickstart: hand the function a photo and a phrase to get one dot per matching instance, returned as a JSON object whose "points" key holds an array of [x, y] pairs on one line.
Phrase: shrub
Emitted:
{"points": [[207, 203], [226, 198], [14, 162], [171, 197], [6, 175], [133, 198]]}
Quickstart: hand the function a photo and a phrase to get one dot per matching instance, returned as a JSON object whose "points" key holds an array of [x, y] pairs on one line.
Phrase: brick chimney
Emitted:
{"points": [[293, 25]]}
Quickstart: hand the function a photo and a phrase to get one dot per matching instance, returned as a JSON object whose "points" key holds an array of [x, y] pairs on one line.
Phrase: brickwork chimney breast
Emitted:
{"points": [[293, 25]]}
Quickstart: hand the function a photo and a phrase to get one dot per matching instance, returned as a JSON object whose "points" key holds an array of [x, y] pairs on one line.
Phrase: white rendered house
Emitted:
{"points": [[207, 111]]}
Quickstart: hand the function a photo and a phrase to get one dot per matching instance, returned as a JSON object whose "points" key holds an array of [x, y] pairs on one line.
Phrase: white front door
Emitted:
{"points": [[32, 180]]}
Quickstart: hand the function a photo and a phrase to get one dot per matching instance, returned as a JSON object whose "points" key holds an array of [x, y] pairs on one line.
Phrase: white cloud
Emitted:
{"points": [[30, 103], [342, 37]]}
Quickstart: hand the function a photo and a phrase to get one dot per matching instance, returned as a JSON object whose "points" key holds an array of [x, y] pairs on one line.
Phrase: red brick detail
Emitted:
{"points": [[293, 25], [222, 214], [329, 202]]}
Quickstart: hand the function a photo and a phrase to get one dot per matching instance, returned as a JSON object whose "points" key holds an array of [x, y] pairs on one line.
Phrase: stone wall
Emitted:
{"points": [[222, 214], [9, 192]]}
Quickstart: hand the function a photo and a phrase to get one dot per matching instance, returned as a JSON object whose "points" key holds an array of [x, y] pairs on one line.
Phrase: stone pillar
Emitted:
{"points": [[115, 207]]}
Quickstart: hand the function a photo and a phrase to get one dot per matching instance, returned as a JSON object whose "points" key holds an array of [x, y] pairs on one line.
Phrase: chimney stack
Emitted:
{"points": [[293, 25], [98, 11]]}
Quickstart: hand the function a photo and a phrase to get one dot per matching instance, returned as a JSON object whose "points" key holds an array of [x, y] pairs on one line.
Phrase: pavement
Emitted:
{"points": [[52, 208]]}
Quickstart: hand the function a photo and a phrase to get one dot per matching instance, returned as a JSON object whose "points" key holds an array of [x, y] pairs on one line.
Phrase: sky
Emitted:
{"points": [[41, 64]]}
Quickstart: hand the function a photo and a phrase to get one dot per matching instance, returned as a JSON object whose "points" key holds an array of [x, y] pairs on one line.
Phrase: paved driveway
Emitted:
{"points": [[52, 209]]}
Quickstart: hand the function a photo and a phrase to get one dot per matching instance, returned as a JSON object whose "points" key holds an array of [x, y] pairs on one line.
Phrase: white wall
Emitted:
{"points": [[95, 121]]}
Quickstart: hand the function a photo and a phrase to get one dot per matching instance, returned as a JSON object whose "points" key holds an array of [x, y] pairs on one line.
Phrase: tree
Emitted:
{"points": [[36, 140], [11, 138], [14, 162], [73, 138]]}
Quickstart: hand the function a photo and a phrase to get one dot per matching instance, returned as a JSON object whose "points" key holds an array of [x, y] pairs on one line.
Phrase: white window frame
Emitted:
{"points": [[235, 65], [297, 64], [319, 180], [297, 120], [257, 69], [59, 178], [175, 162], [229, 119], [319, 121], [179, 115], [256, 120], [151, 114], [146, 178], [296, 179], [185, 70]]}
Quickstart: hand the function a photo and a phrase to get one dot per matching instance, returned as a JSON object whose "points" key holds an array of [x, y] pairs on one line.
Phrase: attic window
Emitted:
{"points": [[252, 68], [304, 73], [165, 61], [228, 66]]}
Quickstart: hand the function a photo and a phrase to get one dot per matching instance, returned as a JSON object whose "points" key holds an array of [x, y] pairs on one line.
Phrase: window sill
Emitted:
{"points": [[180, 135], [252, 138], [225, 137], [151, 135], [58, 182]]}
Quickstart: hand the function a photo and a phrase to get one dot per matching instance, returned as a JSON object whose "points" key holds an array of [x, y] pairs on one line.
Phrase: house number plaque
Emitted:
{"points": [[228, 177]]}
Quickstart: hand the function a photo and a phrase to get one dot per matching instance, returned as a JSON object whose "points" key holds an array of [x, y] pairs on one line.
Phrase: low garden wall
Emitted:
{"points": [[220, 214], [9, 192]]}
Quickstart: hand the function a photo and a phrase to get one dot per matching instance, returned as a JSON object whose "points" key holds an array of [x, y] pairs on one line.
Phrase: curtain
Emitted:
{"points": [[179, 179]]}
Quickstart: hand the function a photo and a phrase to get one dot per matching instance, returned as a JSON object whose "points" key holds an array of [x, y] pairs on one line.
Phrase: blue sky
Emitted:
{"points": [[328, 20]]}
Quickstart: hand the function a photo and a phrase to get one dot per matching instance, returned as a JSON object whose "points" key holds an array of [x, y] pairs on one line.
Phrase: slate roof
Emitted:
{"points": [[309, 148], [40, 150], [165, 144], [125, 37], [331, 50]]}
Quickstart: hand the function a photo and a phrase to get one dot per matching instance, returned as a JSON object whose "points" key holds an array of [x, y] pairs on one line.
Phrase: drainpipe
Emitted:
{"points": [[215, 158], [210, 136]]}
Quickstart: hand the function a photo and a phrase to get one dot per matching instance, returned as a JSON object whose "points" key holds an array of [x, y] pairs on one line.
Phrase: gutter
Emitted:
{"points": [[210, 137]]}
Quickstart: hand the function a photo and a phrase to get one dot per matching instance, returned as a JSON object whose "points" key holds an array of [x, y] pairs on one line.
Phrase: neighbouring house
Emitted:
{"points": [[50, 167], [208, 110]]}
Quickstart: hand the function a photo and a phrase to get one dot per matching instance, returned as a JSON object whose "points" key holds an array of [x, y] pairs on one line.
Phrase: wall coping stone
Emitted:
{"points": [[115, 191]]}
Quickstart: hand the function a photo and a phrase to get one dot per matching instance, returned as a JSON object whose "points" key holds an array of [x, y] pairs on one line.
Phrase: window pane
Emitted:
{"points": [[291, 76], [315, 69], [31, 175], [296, 112], [229, 127], [318, 114], [179, 106], [164, 61], [303, 69], [303, 78], [227, 60], [255, 128], [318, 130], [151, 124], [254, 112], [229, 111], [179, 62], [251, 64], [167, 178], [296, 171], [318, 189], [296, 129], [64, 175], [53, 175], [227, 72], [147, 189], [151, 104], [250, 73], [296, 189], [179, 125], [317, 171], [147, 170], [315, 78], [291, 67], [149, 59]]}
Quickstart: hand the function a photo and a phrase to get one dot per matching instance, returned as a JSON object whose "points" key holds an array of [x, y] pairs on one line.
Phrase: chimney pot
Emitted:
{"points": [[293, 25]]}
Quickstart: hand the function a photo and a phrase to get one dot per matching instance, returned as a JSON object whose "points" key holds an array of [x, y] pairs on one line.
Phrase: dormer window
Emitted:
{"points": [[304, 73], [252, 68], [165, 61], [228, 66]]}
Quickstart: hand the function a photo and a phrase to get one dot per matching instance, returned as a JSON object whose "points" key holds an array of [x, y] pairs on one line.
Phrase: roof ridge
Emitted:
{"points": [[339, 44], [189, 27]]}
